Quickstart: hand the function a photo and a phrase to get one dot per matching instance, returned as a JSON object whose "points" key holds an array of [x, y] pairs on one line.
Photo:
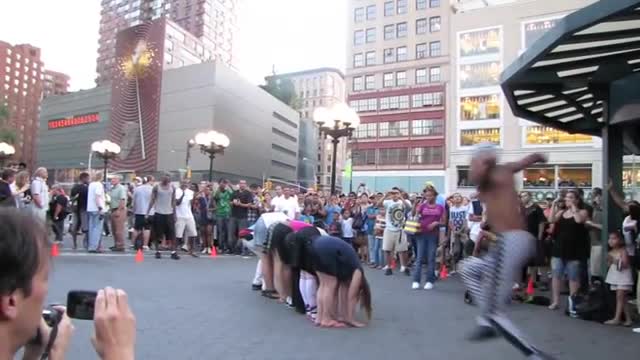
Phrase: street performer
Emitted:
{"points": [[490, 279]]}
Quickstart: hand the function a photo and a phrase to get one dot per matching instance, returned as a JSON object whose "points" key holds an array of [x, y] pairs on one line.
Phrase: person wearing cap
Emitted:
{"points": [[393, 239], [490, 279]]}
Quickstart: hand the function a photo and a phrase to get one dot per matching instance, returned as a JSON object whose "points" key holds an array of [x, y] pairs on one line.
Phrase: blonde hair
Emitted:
{"points": [[97, 176], [22, 179], [39, 172]]}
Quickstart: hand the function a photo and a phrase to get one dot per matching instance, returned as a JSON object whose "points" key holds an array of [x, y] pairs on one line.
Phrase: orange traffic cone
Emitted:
{"points": [[530, 289], [139, 256], [444, 274], [54, 250], [214, 252]]}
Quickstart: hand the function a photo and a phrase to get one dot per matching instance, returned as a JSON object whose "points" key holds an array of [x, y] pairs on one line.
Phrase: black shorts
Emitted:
{"points": [[164, 225], [333, 256], [141, 223]]}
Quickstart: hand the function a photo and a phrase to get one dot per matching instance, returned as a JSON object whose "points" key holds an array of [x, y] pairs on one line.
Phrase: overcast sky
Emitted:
{"points": [[291, 35]]}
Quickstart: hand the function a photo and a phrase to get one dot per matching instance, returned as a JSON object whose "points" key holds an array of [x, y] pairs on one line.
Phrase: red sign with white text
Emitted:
{"points": [[74, 121]]}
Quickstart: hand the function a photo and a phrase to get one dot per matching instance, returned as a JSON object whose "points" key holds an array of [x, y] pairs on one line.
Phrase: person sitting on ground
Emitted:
{"points": [[24, 274]]}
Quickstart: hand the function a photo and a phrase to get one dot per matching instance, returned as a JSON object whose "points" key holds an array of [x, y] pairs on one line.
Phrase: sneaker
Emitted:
{"points": [[256, 287], [158, 255], [145, 248], [175, 256], [481, 333], [388, 272], [415, 285], [428, 286], [636, 330], [406, 271], [385, 267], [184, 248]]}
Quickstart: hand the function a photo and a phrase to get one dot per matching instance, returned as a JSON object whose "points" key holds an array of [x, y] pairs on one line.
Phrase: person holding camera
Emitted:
{"points": [[24, 272]]}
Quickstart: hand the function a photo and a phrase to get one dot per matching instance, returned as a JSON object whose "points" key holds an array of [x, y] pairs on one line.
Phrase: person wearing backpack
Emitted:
{"points": [[58, 210]]}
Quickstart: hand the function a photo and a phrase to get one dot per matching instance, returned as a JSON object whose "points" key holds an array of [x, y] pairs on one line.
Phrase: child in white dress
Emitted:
{"points": [[619, 277]]}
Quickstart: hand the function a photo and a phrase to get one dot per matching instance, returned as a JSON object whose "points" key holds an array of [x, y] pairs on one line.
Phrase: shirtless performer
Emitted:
{"points": [[490, 279]]}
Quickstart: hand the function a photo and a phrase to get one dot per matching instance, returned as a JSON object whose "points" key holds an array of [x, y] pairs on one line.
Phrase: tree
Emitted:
{"points": [[283, 90], [7, 134]]}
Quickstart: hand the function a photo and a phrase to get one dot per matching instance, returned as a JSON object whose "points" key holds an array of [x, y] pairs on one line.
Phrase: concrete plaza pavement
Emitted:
{"points": [[204, 309]]}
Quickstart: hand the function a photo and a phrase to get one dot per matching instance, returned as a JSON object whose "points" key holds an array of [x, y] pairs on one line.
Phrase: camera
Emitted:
{"points": [[81, 304]]}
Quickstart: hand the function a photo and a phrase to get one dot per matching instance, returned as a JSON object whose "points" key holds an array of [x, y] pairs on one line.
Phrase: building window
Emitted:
{"points": [[389, 31], [421, 26], [421, 51], [473, 137], [427, 99], [434, 24], [427, 155], [397, 156], [371, 58], [539, 177], [401, 53], [371, 35], [367, 131], [540, 135], [358, 84], [370, 82], [421, 4], [401, 30], [574, 176], [426, 127], [434, 3], [358, 60], [403, 102], [358, 15], [402, 6], [401, 78], [394, 129], [358, 37], [364, 157], [389, 55], [483, 107], [389, 8], [434, 74], [371, 12], [421, 76], [434, 48], [388, 80], [464, 179]]}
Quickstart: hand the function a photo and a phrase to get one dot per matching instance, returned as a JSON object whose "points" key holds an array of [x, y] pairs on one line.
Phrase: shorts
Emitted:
{"points": [[394, 241], [620, 287], [141, 223], [186, 227], [164, 225], [561, 267], [80, 221]]}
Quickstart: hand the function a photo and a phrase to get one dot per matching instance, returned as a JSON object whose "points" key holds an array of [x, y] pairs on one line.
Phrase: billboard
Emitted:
{"points": [[479, 42], [135, 99], [73, 121]]}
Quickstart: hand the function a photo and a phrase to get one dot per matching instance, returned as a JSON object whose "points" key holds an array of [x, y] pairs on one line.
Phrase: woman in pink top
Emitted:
{"points": [[431, 218]]}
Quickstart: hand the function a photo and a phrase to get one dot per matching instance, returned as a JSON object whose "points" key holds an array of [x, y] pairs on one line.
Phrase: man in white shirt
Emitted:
{"points": [[141, 199], [286, 204], [185, 222], [95, 212], [40, 193]]}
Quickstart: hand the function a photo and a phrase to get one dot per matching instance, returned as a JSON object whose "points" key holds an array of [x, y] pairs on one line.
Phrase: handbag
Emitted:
{"points": [[412, 226], [358, 220]]}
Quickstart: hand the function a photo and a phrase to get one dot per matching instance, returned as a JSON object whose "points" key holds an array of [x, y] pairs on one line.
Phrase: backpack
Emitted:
{"points": [[358, 220]]}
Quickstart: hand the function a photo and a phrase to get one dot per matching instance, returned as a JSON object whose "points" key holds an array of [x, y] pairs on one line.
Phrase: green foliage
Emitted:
{"points": [[282, 89], [7, 134]]}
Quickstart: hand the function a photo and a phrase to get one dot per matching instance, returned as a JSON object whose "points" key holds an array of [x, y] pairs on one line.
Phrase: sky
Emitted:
{"points": [[288, 35]]}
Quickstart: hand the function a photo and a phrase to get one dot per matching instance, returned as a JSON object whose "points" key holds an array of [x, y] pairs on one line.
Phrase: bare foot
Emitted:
{"points": [[332, 324], [355, 324], [553, 306]]}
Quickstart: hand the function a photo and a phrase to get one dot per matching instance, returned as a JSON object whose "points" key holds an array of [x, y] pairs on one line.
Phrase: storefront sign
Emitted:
{"points": [[74, 121], [534, 30]]}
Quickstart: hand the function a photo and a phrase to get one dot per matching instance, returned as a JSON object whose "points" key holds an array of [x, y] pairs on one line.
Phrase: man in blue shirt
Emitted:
{"points": [[331, 208]]}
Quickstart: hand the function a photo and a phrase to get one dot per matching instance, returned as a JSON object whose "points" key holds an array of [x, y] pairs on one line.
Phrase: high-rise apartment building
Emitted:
{"points": [[397, 75], [486, 37], [211, 22], [21, 91], [323, 87], [55, 83]]}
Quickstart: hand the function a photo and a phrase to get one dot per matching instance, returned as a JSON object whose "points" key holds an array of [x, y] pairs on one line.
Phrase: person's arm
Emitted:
{"points": [[381, 202], [115, 326], [617, 198], [624, 259], [154, 195], [525, 162], [57, 211], [99, 196], [36, 196], [557, 214], [173, 201], [580, 216], [179, 200]]}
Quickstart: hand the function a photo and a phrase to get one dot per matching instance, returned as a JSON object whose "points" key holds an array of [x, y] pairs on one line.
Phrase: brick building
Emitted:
{"points": [[55, 83]]}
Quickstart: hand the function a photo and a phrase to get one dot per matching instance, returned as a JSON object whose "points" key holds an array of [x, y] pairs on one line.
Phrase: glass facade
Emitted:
{"points": [[541, 135], [484, 107], [471, 137]]}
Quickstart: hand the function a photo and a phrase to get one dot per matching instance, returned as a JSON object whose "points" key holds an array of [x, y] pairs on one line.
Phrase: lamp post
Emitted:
{"points": [[190, 144], [337, 122], [212, 143], [6, 151], [106, 150]]}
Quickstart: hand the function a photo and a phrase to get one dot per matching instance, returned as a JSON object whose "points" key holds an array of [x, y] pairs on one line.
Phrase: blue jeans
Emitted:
{"points": [[371, 244], [378, 257], [95, 229], [427, 245]]}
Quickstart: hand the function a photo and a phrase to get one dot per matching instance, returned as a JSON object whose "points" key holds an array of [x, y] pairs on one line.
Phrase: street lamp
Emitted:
{"points": [[106, 150], [212, 143], [190, 144], [6, 151], [339, 121]]}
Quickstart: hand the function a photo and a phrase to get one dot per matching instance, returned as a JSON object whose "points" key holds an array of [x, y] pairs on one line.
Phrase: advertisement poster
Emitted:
{"points": [[479, 42]]}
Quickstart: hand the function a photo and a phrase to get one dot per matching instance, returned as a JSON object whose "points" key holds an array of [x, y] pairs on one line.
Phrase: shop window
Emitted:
{"points": [[569, 177], [464, 179], [484, 107], [541, 135], [539, 177], [473, 137]]}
